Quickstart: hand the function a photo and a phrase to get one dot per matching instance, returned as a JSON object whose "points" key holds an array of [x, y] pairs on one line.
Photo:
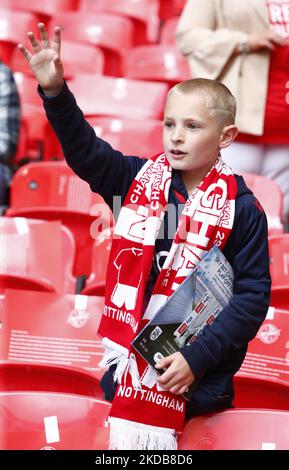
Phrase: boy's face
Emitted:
{"points": [[191, 135]]}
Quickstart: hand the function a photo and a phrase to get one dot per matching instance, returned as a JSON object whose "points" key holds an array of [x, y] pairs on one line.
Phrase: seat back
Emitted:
{"points": [[13, 29], [265, 368], [159, 62], [143, 14], [135, 99], [111, 32], [271, 198], [95, 284], [54, 331], [168, 31], [39, 421], [51, 191], [35, 255], [239, 429]]}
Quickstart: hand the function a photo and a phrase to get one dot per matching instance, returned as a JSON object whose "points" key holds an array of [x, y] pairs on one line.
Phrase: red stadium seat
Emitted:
{"points": [[41, 10], [170, 8], [112, 33], [109, 96], [16, 377], [168, 32], [13, 29], [95, 284], [141, 137], [263, 379], [253, 392], [47, 421], [56, 331], [271, 198], [143, 13], [76, 57], [158, 62], [32, 114], [239, 429], [279, 268], [51, 191], [30, 260]]}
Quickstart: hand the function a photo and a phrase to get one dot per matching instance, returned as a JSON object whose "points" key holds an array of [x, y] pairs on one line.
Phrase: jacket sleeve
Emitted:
{"points": [[239, 322], [107, 171], [207, 46]]}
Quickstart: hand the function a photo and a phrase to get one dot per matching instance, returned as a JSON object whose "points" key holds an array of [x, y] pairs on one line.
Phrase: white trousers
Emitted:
{"points": [[266, 160]]}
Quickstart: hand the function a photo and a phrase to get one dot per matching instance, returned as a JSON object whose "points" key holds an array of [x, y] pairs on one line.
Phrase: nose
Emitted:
{"points": [[177, 135]]}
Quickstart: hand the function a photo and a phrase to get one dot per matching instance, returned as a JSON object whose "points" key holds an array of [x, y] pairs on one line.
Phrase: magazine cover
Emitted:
{"points": [[195, 303]]}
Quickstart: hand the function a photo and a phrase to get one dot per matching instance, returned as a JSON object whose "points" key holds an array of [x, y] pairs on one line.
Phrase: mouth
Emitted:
{"points": [[177, 153]]}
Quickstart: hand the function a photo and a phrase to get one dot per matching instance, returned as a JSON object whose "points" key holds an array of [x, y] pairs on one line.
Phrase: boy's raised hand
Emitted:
{"points": [[178, 376], [45, 61]]}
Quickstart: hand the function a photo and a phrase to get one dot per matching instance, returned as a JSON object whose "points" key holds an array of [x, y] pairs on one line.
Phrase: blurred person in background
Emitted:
{"points": [[245, 45], [9, 128]]}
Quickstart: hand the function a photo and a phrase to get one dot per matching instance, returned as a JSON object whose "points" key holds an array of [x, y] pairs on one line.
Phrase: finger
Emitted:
{"points": [[165, 362], [44, 36], [25, 52], [57, 39], [176, 389], [35, 44], [184, 389], [166, 377], [58, 63], [266, 44], [169, 381]]}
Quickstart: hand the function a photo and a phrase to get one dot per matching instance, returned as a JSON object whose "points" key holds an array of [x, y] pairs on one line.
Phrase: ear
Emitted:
{"points": [[229, 134]]}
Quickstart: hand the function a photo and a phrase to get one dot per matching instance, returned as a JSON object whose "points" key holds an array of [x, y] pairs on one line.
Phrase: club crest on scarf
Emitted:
{"points": [[143, 416]]}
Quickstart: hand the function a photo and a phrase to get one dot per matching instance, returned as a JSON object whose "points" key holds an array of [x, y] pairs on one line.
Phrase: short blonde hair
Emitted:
{"points": [[220, 101]]}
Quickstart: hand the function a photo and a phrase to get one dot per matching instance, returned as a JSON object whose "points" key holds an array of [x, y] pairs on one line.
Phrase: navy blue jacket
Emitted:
{"points": [[220, 348]]}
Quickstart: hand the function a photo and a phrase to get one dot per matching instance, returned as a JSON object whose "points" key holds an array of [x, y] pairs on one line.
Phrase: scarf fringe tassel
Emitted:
{"points": [[124, 365], [129, 435]]}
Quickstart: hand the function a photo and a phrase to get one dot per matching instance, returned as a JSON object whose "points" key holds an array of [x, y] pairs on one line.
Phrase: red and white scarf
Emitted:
{"points": [[144, 416]]}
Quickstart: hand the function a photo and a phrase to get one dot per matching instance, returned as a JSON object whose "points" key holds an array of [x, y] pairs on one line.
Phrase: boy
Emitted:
{"points": [[199, 121]]}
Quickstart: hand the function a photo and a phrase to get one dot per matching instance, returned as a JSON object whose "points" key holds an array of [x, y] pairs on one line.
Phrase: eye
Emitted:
{"points": [[168, 124], [192, 125]]}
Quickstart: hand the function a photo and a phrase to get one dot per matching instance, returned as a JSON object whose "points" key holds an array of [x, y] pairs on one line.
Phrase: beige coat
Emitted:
{"points": [[207, 34]]}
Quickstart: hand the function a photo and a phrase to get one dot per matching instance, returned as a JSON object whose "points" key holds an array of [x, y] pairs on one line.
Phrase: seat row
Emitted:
{"points": [[103, 26]]}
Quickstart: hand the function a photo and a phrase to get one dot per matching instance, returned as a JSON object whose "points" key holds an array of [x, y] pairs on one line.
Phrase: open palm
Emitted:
{"points": [[45, 61]]}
